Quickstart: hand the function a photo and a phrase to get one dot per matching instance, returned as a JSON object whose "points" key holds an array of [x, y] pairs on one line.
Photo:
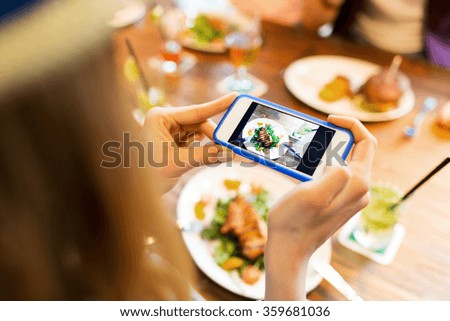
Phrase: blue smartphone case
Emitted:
{"points": [[267, 162]]}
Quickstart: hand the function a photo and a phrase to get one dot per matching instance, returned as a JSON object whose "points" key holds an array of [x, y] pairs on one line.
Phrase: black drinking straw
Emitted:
{"points": [[421, 182]]}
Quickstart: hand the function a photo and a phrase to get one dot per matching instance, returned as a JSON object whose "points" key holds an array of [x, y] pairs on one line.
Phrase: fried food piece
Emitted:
{"points": [[380, 94], [232, 263], [443, 119], [265, 138], [337, 89], [251, 274], [247, 226]]}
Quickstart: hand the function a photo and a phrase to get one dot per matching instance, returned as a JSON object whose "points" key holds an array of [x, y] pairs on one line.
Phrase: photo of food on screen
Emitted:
{"points": [[275, 135]]}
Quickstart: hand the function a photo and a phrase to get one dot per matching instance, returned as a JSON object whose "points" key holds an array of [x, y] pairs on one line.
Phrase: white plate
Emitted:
{"points": [[210, 181], [188, 40], [274, 152], [307, 76], [128, 15]]}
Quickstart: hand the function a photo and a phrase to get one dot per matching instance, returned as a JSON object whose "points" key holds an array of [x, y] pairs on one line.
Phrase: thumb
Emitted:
{"points": [[205, 155]]}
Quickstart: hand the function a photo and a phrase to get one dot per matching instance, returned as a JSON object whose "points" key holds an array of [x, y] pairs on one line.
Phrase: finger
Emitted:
{"points": [[359, 131], [208, 154], [325, 189], [356, 206], [362, 157], [200, 113], [208, 127], [192, 137], [355, 191], [365, 142], [331, 183]]}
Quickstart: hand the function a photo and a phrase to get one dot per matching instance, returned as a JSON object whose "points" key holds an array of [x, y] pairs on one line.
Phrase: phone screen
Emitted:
{"points": [[286, 139]]}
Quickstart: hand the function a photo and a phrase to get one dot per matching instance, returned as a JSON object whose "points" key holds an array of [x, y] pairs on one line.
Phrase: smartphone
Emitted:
{"points": [[286, 140]]}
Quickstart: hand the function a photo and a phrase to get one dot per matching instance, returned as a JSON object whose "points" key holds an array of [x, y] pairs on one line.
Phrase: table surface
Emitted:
{"points": [[421, 269]]}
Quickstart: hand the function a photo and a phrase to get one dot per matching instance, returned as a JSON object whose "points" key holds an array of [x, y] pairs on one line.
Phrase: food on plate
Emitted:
{"points": [[232, 185], [233, 263], [379, 93], [246, 224], [337, 89], [240, 231], [199, 209], [208, 28], [264, 138], [206, 32], [443, 118], [441, 125], [251, 274]]}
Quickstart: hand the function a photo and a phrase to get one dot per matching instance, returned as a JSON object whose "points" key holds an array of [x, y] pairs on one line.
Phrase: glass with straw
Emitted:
{"points": [[149, 88], [377, 222]]}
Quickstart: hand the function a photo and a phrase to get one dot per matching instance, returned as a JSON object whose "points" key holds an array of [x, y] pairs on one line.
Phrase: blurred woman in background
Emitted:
{"points": [[73, 230]]}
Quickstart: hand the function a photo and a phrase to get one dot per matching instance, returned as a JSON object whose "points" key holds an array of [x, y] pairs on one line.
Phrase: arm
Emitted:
{"points": [[310, 213]]}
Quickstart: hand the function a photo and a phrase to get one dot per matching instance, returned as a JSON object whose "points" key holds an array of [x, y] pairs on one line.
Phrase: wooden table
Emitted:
{"points": [[421, 269]]}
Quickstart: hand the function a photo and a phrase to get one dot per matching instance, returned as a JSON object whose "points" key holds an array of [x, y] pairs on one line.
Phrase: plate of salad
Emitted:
{"points": [[206, 32], [223, 214], [265, 137]]}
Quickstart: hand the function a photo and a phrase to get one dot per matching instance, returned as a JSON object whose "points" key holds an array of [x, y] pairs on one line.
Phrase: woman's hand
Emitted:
{"points": [[175, 133], [310, 213]]}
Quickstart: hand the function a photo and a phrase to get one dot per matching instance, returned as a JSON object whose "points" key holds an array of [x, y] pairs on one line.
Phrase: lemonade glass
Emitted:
{"points": [[377, 222]]}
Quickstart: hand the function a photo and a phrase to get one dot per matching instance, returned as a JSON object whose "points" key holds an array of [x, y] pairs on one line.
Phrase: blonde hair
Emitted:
{"points": [[70, 229]]}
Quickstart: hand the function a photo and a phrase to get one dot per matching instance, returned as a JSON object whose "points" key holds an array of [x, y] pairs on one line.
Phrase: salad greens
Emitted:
{"points": [[228, 245], [258, 143], [213, 231], [204, 31]]}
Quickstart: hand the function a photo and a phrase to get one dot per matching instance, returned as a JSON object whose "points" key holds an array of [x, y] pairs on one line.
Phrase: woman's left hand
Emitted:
{"points": [[175, 135]]}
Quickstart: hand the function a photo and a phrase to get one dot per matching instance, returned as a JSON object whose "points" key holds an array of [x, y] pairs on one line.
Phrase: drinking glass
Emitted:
{"points": [[146, 95], [244, 45], [377, 222], [171, 23]]}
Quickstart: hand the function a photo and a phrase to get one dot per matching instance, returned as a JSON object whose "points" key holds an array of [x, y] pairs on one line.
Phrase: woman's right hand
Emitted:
{"points": [[310, 213]]}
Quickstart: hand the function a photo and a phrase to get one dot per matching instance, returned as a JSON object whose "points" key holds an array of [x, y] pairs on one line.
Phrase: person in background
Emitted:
{"points": [[409, 27], [71, 229]]}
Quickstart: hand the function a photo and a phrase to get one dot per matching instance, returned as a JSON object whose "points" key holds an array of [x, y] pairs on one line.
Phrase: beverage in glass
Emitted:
{"points": [[171, 23], [145, 98], [243, 49], [377, 222], [244, 46]]}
